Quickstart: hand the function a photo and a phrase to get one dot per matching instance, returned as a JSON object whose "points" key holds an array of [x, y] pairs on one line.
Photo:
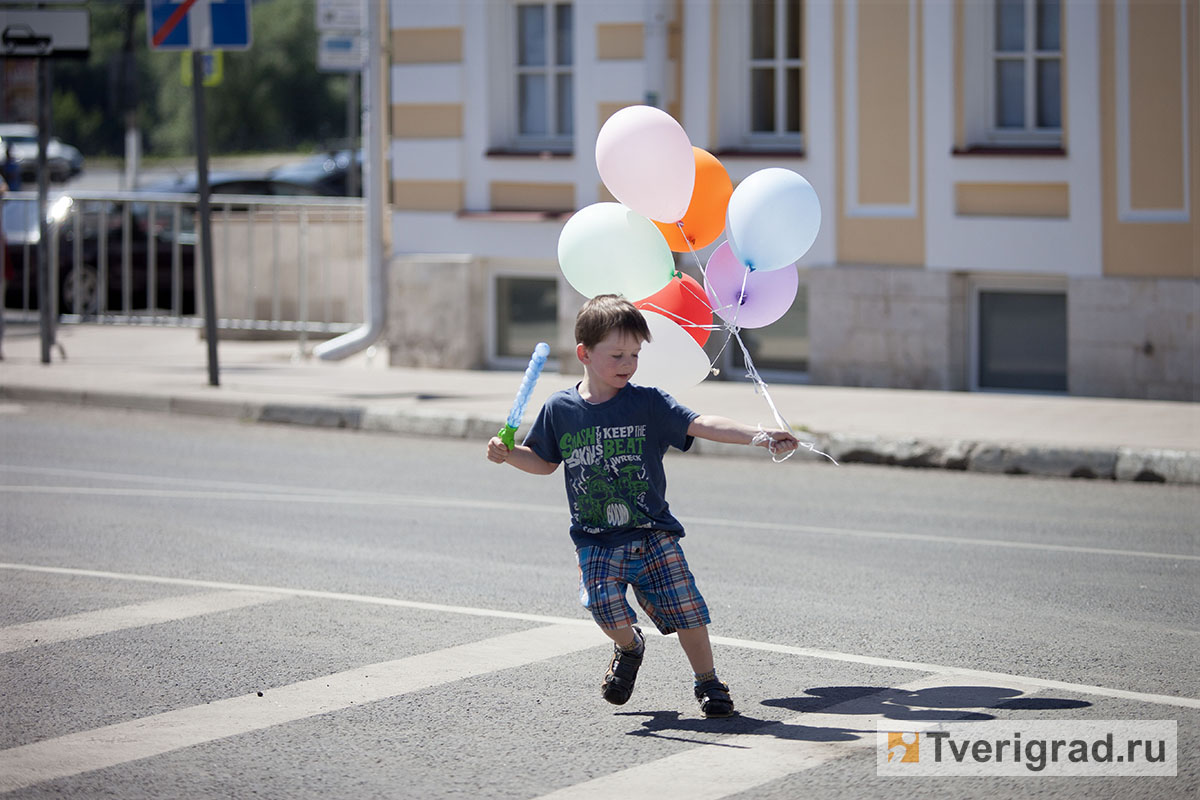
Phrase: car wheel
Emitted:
{"points": [[80, 291]]}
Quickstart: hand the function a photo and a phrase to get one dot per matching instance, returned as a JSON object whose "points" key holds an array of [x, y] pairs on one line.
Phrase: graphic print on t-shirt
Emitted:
{"points": [[606, 474]]}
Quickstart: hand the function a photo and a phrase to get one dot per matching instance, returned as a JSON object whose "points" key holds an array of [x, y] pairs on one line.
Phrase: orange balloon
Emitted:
{"points": [[705, 217], [684, 302]]}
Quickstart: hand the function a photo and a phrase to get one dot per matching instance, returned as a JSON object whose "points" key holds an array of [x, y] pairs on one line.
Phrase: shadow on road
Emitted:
{"points": [[936, 704]]}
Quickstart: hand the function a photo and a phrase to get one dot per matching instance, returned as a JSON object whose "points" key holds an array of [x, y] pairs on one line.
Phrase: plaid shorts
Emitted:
{"points": [[662, 583]]}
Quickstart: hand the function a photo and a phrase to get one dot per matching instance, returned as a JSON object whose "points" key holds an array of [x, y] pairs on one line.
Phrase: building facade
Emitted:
{"points": [[1006, 185]]}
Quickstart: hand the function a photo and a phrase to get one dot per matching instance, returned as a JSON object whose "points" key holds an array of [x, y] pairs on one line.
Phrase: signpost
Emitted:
{"points": [[200, 25], [44, 34], [341, 47]]}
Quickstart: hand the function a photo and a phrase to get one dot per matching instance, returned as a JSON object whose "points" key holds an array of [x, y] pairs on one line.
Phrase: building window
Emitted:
{"points": [[526, 313], [544, 84], [774, 116], [1022, 340], [1026, 71]]}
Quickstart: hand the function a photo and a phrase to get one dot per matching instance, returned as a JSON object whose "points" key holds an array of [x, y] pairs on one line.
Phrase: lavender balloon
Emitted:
{"points": [[744, 297]]}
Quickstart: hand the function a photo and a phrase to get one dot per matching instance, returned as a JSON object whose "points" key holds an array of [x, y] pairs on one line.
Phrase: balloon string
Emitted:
{"points": [[734, 332]]}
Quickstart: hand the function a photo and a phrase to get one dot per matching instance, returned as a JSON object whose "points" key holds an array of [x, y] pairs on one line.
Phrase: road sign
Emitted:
{"points": [[340, 15], [340, 52], [212, 63], [198, 24], [26, 33]]}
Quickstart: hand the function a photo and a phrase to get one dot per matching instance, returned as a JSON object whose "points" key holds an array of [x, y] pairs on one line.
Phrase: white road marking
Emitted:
{"points": [[73, 754], [728, 525], [321, 498], [152, 612], [739, 762], [828, 655], [963, 672], [267, 494]]}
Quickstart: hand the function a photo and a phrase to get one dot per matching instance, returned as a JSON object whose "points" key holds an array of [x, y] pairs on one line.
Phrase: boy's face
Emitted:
{"points": [[613, 360]]}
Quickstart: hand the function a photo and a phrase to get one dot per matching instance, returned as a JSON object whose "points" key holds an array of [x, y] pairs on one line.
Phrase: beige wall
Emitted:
{"points": [[427, 195], [1012, 199], [1152, 152], [620, 41], [523, 196], [884, 58], [427, 45], [427, 120]]}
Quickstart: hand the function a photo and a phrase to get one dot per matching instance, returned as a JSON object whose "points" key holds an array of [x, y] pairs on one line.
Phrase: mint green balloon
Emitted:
{"points": [[605, 248]]}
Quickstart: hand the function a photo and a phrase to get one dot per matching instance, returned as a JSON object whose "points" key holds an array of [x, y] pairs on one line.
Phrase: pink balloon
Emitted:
{"points": [[748, 298], [646, 160]]}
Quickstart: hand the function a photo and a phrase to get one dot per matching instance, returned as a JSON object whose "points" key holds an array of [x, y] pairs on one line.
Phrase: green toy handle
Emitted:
{"points": [[507, 435]]}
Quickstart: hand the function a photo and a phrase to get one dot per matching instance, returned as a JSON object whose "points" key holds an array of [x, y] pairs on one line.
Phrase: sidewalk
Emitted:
{"points": [[166, 369]]}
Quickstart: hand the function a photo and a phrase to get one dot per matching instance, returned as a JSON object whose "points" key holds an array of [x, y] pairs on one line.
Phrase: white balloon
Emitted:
{"points": [[672, 360]]}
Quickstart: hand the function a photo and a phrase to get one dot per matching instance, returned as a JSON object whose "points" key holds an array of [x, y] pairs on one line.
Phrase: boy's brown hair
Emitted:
{"points": [[605, 313]]}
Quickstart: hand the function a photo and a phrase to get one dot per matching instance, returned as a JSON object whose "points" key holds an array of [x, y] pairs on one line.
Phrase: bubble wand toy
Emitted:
{"points": [[536, 362]]}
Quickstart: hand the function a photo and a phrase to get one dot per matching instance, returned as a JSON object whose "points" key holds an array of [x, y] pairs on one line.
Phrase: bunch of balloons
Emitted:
{"points": [[676, 197]]}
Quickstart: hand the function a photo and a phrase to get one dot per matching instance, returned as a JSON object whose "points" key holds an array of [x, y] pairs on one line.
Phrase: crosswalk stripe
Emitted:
{"points": [[137, 615], [73, 754], [739, 762], [962, 673]]}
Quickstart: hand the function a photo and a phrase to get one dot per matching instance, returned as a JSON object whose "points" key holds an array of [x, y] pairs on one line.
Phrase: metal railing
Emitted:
{"points": [[293, 265]]}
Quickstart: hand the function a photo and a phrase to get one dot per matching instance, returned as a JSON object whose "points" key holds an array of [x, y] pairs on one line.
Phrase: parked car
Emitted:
{"points": [[80, 281], [324, 174], [97, 227], [63, 161], [232, 182], [22, 234]]}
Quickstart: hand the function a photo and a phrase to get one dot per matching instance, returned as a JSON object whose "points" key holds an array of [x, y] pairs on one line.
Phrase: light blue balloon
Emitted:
{"points": [[773, 219]]}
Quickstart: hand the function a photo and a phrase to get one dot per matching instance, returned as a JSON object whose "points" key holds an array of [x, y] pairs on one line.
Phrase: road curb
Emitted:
{"points": [[1124, 464]]}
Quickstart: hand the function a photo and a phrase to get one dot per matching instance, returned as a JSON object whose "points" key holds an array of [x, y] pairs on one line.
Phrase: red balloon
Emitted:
{"points": [[684, 302]]}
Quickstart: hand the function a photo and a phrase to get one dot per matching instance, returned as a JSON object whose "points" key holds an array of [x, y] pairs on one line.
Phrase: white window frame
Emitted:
{"points": [[980, 77], [494, 359], [503, 20], [737, 83], [1014, 283]]}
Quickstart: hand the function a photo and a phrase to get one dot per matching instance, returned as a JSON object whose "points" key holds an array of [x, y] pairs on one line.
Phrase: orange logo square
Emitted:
{"points": [[904, 747]]}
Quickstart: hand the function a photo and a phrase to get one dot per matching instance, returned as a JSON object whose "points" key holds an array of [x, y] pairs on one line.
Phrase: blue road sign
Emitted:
{"points": [[198, 24]]}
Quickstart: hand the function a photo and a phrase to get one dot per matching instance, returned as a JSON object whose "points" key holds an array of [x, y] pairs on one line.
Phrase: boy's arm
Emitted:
{"points": [[520, 457], [723, 429]]}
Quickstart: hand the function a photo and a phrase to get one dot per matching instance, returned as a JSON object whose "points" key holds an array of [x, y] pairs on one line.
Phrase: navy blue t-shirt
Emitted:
{"points": [[612, 456]]}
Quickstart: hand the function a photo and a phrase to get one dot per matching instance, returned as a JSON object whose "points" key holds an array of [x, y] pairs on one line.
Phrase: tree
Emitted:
{"points": [[91, 96], [271, 97]]}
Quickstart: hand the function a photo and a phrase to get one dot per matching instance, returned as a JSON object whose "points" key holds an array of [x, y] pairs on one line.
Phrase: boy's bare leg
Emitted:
{"points": [[622, 637], [698, 649], [712, 694]]}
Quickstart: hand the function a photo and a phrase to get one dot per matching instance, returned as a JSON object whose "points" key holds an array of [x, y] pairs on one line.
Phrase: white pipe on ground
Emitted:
{"points": [[375, 291]]}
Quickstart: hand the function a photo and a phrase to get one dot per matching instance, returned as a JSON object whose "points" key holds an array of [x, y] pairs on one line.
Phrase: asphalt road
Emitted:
{"points": [[408, 612]]}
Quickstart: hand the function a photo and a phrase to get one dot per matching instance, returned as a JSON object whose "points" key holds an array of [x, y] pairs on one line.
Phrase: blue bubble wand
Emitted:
{"points": [[508, 432]]}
